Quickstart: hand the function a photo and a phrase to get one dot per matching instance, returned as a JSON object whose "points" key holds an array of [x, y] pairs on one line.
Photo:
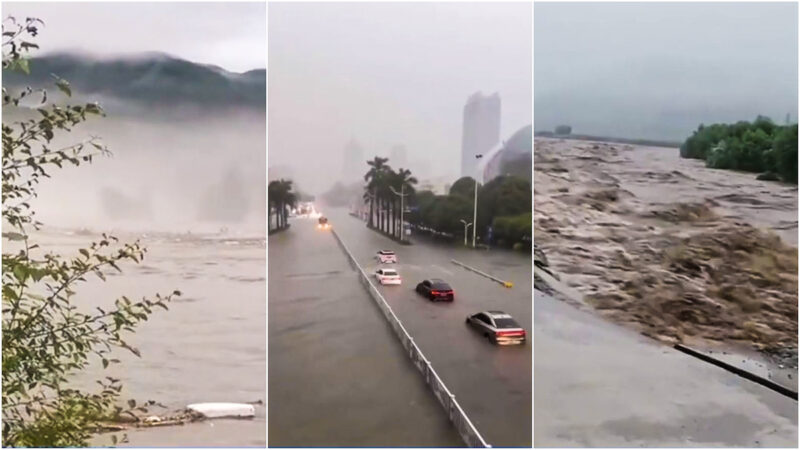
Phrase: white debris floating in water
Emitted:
{"points": [[221, 410]]}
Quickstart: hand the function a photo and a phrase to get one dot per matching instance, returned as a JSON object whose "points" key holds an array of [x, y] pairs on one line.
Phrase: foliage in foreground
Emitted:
{"points": [[48, 334], [760, 146]]}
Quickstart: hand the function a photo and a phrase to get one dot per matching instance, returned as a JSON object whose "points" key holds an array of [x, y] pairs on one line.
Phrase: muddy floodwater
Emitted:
{"points": [[209, 347], [675, 250]]}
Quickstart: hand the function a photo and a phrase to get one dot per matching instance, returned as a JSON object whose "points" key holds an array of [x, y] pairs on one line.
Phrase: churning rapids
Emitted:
{"points": [[669, 247]]}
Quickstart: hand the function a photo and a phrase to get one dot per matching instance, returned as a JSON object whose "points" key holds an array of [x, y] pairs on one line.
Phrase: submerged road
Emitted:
{"points": [[492, 384], [338, 376], [600, 385]]}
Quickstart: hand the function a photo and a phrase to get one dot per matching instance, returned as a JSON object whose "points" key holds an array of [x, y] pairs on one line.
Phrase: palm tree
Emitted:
{"points": [[281, 196], [273, 194], [289, 198], [373, 177]]}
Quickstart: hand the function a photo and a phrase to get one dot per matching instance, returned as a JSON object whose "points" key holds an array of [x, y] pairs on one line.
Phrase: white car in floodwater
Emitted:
{"points": [[388, 276], [386, 257]]}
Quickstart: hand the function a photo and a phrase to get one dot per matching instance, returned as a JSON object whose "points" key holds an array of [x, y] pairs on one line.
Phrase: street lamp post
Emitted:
{"points": [[475, 207], [466, 227], [402, 196]]}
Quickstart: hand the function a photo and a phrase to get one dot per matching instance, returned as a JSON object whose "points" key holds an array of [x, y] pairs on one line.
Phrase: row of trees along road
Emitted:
{"points": [[504, 204], [47, 337], [281, 198], [384, 193], [760, 146]]}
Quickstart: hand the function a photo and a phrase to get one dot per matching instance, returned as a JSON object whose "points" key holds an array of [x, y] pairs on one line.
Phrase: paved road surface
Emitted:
{"points": [[337, 374], [599, 385], [492, 384]]}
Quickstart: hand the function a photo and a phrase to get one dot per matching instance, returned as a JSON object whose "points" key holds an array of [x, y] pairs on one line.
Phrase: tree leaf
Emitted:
{"points": [[24, 66]]}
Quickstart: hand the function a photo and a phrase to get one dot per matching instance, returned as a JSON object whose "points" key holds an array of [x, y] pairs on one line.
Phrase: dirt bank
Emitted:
{"points": [[680, 252]]}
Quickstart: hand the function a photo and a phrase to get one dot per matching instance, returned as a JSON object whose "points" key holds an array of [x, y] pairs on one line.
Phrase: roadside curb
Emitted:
{"points": [[455, 413], [741, 372], [506, 284]]}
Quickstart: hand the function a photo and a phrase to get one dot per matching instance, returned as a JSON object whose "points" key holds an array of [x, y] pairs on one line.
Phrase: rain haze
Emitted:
{"points": [[389, 74], [658, 70]]}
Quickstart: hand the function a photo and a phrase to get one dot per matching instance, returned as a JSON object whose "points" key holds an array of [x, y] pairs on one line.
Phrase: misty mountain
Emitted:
{"points": [[150, 80]]}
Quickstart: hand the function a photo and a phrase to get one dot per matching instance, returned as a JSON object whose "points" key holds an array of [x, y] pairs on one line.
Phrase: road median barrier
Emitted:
{"points": [[505, 283], [469, 434]]}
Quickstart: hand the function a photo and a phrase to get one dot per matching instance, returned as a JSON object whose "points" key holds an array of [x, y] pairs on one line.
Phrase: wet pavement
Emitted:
{"points": [[338, 376], [492, 384], [600, 385]]}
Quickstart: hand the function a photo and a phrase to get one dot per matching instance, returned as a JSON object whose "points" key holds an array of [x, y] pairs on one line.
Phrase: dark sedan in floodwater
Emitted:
{"points": [[436, 290]]}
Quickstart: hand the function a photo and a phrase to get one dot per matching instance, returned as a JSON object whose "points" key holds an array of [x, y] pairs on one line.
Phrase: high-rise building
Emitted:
{"points": [[512, 157], [354, 166], [398, 158], [481, 130]]}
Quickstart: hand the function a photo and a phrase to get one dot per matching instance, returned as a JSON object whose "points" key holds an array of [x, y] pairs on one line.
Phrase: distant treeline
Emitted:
{"points": [[760, 146], [587, 137]]}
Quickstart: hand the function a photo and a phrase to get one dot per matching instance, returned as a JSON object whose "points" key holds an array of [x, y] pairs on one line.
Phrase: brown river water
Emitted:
{"points": [[209, 347], [675, 250]]}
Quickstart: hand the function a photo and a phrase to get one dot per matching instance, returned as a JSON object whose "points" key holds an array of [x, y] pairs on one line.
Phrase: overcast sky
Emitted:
{"points": [[230, 35], [387, 74], [657, 70]]}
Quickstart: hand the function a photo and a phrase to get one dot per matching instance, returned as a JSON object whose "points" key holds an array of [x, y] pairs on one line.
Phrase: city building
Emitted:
{"points": [[354, 165], [505, 158], [481, 130]]}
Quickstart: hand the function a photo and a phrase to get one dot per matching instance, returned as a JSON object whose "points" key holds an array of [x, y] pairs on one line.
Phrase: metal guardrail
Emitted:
{"points": [[507, 284], [456, 414]]}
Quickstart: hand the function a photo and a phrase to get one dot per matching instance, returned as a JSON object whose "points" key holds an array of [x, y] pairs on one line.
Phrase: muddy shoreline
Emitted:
{"points": [[679, 252]]}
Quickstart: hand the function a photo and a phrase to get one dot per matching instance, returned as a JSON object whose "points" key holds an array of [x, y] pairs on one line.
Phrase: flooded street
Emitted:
{"points": [[338, 375], [209, 347], [320, 313], [492, 384]]}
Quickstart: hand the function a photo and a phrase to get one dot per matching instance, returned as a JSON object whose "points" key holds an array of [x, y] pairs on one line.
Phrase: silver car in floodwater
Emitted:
{"points": [[500, 328]]}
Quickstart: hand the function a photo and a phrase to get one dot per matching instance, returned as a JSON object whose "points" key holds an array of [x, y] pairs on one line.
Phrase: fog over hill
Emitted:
{"points": [[188, 143], [146, 80]]}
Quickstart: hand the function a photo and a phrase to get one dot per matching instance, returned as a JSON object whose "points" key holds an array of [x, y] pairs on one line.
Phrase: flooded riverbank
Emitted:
{"points": [[209, 347], [670, 248]]}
